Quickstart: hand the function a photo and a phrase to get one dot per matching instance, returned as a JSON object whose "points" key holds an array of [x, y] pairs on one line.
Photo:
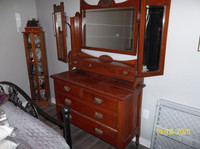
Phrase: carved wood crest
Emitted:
{"points": [[106, 3]]}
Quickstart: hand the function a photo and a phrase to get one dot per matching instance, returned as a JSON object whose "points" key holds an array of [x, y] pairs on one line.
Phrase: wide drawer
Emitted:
{"points": [[67, 88], [99, 100], [105, 117], [87, 124]]}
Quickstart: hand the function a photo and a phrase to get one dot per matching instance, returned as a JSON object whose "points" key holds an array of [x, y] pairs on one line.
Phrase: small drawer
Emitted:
{"points": [[105, 117], [100, 101], [67, 88], [126, 73], [105, 133]]}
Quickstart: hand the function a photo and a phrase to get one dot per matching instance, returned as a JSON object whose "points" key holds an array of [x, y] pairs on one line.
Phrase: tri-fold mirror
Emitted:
{"points": [[132, 27]]}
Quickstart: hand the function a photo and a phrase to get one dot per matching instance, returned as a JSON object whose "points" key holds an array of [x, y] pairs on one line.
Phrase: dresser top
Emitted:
{"points": [[97, 82]]}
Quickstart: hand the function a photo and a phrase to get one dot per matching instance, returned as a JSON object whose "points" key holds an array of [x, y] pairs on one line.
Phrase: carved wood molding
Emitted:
{"points": [[105, 59], [106, 3]]}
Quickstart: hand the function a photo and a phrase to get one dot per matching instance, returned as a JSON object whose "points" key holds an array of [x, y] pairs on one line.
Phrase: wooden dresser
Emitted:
{"points": [[105, 91], [103, 106]]}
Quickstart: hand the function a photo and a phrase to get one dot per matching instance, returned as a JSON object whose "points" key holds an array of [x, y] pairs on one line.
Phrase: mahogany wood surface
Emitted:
{"points": [[31, 31], [104, 106], [106, 94], [144, 3]]}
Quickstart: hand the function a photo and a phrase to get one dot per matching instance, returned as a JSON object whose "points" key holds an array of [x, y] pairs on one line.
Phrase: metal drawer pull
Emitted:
{"points": [[98, 115], [68, 102], [75, 62], [98, 131], [70, 116], [98, 101], [66, 88], [125, 72]]}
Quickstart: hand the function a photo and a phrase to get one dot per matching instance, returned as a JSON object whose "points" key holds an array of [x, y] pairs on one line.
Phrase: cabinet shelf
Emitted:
{"points": [[37, 64]]}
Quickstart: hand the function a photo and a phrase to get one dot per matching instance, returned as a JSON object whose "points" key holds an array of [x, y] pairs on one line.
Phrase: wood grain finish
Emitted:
{"points": [[36, 59], [106, 94], [103, 106]]}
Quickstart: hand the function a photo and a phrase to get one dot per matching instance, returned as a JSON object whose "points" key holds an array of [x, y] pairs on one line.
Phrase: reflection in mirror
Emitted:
{"points": [[59, 22], [153, 38], [59, 35], [109, 28]]}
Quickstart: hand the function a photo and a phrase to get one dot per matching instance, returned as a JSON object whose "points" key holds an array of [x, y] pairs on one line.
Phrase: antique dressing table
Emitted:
{"points": [[105, 94]]}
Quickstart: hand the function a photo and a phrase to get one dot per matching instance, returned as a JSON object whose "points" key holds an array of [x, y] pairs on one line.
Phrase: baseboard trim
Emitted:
{"points": [[144, 142]]}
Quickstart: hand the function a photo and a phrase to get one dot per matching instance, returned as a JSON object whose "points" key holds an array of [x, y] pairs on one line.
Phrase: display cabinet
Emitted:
{"points": [[37, 64]]}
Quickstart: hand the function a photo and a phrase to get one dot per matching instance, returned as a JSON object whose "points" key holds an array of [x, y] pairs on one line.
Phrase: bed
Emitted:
{"points": [[30, 133]]}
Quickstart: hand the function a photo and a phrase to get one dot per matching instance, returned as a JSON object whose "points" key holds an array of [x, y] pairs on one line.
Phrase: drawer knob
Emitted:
{"points": [[98, 131], [66, 88], [68, 102], [98, 101], [75, 62], [125, 72], [98, 115]]}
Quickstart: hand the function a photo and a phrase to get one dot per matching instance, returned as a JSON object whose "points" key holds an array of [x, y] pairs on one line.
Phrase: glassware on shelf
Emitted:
{"points": [[41, 80], [42, 93], [34, 82], [29, 40], [37, 40], [31, 55], [38, 54], [32, 69], [40, 68]]}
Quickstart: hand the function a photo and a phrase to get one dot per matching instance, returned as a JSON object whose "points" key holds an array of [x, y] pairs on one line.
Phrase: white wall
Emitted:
{"points": [[44, 11], [12, 55], [180, 82]]}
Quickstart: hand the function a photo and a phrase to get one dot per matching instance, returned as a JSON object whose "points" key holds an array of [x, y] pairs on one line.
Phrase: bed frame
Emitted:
{"points": [[34, 110]]}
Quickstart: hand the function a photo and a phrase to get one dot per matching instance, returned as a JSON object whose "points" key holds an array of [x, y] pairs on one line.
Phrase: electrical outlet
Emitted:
{"points": [[146, 114]]}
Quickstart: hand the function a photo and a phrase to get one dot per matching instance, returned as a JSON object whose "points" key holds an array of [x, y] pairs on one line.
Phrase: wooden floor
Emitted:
{"points": [[80, 138]]}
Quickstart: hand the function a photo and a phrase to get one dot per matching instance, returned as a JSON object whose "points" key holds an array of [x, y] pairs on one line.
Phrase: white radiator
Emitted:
{"points": [[176, 127]]}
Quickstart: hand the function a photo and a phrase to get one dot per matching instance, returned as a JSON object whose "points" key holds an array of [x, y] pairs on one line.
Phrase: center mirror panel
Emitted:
{"points": [[109, 29]]}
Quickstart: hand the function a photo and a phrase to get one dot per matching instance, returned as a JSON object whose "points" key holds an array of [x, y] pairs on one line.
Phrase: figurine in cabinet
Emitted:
{"points": [[105, 94], [37, 64]]}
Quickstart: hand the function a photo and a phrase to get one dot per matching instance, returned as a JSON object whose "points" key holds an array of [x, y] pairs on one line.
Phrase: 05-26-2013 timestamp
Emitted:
{"points": [[178, 131]]}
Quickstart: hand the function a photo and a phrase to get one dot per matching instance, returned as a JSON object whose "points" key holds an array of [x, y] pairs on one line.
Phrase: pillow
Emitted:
{"points": [[3, 98], [6, 144], [5, 131]]}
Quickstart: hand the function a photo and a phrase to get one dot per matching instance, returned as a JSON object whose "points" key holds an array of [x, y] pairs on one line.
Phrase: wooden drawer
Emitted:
{"points": [[98, 100], [68, 88], [105, 133], [105, 117], [126, 73]]}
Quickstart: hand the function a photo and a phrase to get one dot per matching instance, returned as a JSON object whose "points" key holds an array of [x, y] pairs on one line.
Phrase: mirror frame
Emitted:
{"points": [[144, 3], [111, 4], [60, 8]]}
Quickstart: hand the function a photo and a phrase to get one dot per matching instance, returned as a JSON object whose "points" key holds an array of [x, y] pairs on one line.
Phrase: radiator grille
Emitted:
{"points": [[176, 117]]}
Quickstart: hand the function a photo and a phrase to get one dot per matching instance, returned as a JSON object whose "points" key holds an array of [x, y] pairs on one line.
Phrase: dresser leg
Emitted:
{"points": [[137, 140]]}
